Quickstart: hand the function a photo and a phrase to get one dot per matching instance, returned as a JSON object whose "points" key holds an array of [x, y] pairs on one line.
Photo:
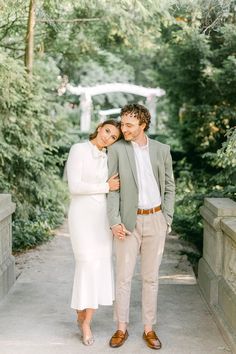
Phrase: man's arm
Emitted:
{"points": [[169, 194], [113, 198]]}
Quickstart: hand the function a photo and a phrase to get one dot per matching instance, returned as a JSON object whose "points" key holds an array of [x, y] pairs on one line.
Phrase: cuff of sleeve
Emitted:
{"points": [[107, 187], [169, 229], [114, 225]]}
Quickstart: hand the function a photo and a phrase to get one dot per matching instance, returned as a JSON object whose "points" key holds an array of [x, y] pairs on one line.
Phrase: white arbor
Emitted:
{"points": [[86, 94], [103, 113]]}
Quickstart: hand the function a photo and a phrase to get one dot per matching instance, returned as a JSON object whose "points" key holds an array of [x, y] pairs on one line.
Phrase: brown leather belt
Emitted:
{"points": [[149, 211]]}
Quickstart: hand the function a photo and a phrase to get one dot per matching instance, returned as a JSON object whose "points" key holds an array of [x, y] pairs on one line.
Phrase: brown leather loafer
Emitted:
{"points": [[152, 340], [118, 338]]}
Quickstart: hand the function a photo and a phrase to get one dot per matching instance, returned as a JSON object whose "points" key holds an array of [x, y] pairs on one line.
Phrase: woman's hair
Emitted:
{"points": [[113, 122], [138, 111]]}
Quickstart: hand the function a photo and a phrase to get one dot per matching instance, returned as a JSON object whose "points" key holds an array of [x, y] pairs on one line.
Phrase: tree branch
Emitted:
{"points": [[211, 25], [11, 47], [69, 21], [29, 41]]}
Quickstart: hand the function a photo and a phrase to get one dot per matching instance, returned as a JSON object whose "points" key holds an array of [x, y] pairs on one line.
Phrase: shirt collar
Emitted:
{"points": [[142, 147], [96, 152]]}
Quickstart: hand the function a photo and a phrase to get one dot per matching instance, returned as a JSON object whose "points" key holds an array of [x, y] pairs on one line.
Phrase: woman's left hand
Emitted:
{"points": [[114, 182]]}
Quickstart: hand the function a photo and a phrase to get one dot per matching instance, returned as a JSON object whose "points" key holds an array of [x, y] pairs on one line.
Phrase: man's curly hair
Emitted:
{"points": [[138, 111]]}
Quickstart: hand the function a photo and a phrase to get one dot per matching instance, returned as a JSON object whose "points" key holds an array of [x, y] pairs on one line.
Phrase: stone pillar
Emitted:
{"points": [[151, 105], [7, 261], [217, 267], [86, 112]]}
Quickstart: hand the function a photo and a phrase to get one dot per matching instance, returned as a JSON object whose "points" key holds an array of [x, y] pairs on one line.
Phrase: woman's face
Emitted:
{"points": [[107, 135]]}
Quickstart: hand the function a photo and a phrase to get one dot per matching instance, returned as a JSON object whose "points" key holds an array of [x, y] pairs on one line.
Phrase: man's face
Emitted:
{"points": [[131, 128]]}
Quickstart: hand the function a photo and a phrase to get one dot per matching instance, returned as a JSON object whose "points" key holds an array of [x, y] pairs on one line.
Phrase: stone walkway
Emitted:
{"points": [[35, 317]]}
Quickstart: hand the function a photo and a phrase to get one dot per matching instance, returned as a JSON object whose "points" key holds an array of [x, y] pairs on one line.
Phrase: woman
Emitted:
{"points": [[91, 237]]}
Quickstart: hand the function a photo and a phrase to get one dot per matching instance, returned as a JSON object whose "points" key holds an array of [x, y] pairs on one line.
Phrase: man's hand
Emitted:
{"points": [[120, 231]]}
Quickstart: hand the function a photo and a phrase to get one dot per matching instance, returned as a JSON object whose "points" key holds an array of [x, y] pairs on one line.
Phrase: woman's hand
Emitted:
{"points": [[114, 183], [120, 231]]}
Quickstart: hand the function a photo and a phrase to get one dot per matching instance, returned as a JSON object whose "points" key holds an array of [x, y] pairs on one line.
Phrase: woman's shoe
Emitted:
{"points": [[87, 338]]}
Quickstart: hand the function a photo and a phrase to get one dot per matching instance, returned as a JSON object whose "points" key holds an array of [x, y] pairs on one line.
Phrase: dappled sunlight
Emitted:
{"points": [[186, 279]]}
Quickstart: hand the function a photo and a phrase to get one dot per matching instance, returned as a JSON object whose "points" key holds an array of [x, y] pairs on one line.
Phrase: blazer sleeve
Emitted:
{"points": [[169, 194], [113, 198], [75, 166]]}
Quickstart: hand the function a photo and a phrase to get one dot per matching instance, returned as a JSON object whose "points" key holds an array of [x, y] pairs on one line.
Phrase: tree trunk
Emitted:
{"points": [[29, 47]]}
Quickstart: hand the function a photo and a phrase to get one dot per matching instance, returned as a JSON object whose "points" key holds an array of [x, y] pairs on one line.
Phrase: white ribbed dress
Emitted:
{"points": [[89, 230]]}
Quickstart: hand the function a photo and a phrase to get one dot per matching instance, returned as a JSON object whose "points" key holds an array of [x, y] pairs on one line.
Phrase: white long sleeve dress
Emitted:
{"points": [[90, 234]]}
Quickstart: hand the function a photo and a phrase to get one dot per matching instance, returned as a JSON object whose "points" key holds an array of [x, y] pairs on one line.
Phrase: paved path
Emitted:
{"points": [[35, 317]]}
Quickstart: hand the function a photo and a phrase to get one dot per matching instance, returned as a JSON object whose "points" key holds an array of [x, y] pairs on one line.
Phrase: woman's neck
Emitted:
{"points": [[94, 142]]}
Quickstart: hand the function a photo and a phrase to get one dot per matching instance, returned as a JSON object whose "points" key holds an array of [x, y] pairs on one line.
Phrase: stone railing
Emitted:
{"points": [[217, 267], [7, 261]]}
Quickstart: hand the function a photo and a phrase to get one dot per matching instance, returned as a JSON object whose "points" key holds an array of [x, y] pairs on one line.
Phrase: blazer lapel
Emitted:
{"points": [[154, 160], [130, 153]]}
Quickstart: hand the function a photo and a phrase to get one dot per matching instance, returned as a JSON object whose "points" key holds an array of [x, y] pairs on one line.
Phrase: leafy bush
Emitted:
{"points": [[29, 163], [196, 66], [193, 185]]}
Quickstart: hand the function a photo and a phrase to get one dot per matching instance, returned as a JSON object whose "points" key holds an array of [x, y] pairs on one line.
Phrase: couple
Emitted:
{"points": [[135, 205]]}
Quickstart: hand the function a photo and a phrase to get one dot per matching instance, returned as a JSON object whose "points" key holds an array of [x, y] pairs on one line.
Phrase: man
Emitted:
{"points": [[139, 214]]}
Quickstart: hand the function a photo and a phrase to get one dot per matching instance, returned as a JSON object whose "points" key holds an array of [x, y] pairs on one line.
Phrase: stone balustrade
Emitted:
{"points": [[7, 261], [217, 267]]}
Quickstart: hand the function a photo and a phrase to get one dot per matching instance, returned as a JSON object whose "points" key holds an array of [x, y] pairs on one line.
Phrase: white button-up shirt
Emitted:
{"points": [[149, 192]]}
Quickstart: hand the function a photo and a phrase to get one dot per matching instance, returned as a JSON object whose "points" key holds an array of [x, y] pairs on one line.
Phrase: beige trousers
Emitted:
{"points": [[148, 239]]}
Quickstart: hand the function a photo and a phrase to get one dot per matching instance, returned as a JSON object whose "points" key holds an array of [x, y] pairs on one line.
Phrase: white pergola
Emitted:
{"points": [[86, 94], [104, 113]]}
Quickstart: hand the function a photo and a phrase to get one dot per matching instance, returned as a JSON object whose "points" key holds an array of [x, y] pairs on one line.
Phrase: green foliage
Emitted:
{"points": [[225, 160], [102, 71], [201, 94], [29, 164], [226, 156], [196, 66], [186, 47]]}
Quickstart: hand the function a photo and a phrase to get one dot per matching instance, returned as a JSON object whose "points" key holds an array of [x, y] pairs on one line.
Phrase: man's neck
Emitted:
{"points": [[141, 140]]}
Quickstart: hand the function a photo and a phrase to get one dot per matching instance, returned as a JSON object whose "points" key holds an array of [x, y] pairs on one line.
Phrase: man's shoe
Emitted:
{"points": [[118, 338], [152, 340]]}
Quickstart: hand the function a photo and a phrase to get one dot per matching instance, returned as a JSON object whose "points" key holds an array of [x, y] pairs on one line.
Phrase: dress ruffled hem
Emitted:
{"points": [[93, 284]]}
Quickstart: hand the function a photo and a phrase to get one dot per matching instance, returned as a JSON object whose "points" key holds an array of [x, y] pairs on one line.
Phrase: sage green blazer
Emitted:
{"points": [[123, 204]]}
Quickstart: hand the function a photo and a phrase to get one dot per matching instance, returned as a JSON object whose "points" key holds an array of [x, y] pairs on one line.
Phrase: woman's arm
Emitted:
{"points": [[76, 163]]}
